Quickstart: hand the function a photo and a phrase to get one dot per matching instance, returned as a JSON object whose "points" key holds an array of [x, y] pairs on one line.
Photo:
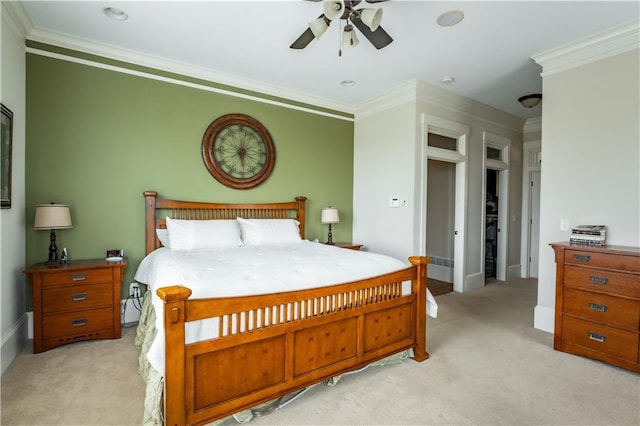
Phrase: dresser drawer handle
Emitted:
{"points": [[79, 277], [79, 322], [597, 337], [598, 307], [79, 297], [599, 280], [582, 257]]}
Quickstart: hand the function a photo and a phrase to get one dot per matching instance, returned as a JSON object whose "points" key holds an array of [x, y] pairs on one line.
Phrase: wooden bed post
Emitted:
{"points": [[150, 221], [174, 299], [301, 214], [419, 285]]}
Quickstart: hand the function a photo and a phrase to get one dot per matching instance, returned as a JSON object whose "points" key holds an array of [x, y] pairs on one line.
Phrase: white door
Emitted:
{"points": [[534, 223]]}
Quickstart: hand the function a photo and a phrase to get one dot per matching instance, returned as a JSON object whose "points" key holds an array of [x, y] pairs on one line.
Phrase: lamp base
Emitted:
{"points": [[330, 237], [53, 249]]}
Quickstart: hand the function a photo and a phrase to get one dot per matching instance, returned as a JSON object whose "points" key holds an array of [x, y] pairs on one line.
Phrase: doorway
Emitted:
{"points": [[491, 225], [496, 213], [445, 141]]}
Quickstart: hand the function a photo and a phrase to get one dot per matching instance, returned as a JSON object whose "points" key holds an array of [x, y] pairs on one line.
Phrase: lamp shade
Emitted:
{"points": [[318, 27], [371, 18], [333, 9], [330, 215], [349, 38], [52, 216]]}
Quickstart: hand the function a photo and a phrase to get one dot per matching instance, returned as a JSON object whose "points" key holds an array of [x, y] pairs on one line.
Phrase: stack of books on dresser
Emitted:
{"points": [[593, 235]]}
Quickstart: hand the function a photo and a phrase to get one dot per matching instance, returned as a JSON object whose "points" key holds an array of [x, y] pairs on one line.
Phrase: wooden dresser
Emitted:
{"points": [[597, 312], [76, 301]]}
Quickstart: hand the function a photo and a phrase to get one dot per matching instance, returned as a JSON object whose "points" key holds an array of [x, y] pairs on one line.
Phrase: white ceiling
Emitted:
{"points": [[247, 43]]}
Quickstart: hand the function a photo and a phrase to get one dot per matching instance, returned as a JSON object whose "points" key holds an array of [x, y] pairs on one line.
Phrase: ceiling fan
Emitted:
{"points": [[366, 20]]}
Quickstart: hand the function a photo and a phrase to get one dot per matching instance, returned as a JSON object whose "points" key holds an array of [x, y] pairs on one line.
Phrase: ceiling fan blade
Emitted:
{"points": [[379, 38], [304, 39]]}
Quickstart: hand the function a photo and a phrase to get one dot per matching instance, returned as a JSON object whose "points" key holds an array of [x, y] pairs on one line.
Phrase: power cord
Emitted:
{"points": [[135, 302]]}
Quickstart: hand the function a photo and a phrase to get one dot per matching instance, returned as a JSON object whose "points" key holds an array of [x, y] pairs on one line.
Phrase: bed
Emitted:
{"points": [[258, 346]]}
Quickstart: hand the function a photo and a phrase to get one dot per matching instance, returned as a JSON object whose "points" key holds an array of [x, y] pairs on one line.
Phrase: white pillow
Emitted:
{"points": [[163, 236], [269, 231], [202, 234]]}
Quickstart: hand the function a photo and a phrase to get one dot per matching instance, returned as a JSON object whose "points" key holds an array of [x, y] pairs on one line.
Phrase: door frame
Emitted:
{"points": [[490, 140], [460, 132], [532, 162]]}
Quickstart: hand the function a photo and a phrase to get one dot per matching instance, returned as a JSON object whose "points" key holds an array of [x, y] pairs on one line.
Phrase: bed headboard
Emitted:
{"points": [[156, 209]]}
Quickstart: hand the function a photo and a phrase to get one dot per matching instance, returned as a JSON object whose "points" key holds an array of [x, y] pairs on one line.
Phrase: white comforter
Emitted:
{"points": [[253, 270]]}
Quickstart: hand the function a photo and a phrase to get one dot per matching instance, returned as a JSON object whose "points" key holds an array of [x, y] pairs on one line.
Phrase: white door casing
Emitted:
{"points": [[460, 132]]}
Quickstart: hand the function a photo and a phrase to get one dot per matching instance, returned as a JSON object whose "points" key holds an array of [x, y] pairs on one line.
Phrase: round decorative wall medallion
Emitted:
{"points": [[238, 151]]}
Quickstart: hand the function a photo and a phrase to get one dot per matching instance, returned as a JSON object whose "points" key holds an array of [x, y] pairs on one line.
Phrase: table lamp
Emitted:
{"points": [[52, 216], [329, 216]]}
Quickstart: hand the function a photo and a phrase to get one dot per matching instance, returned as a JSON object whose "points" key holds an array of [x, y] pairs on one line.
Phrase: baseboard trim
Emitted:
{"points": [[14, 341]]}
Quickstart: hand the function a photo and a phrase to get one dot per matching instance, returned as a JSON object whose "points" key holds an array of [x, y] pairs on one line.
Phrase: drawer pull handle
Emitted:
{"points": [[599, 280], [597, 337], [598, 307], [582, 257], [79, 277], [79, 322], [79, 297]]}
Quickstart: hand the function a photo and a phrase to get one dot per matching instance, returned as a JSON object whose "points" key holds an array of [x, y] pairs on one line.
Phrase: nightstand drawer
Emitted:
{"points": [[73, 323], [88, 276], [602, 260], [73, 298], [601, 308], [597, 337], [602, 280]]}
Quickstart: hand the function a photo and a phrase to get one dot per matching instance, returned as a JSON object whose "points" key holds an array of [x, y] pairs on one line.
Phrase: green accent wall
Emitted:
{"points": [[97, 138]]}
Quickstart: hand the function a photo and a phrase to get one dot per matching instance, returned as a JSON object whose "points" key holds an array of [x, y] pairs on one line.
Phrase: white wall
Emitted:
{"points": [[12, 227], [590, 151], [388, 153]]}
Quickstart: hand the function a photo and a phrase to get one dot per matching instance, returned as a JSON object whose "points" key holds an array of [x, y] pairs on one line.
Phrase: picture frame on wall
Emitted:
{"points": [[5, 157]]}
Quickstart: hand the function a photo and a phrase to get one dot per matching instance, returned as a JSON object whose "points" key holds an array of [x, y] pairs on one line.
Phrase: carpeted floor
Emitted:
{"points": [[488, 366]]}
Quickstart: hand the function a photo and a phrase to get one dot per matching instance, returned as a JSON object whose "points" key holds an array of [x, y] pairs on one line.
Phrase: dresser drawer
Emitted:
{"points": [[602, 280], [618, 343], [601, 308], [81, 322], [602, 260], [72, 298], [88, 276]]}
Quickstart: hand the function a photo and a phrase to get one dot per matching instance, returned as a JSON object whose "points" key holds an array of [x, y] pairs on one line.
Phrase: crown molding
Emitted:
{"points": [[533, 125], [136, 58], [419, 91], [589, 49], [21, 23]]}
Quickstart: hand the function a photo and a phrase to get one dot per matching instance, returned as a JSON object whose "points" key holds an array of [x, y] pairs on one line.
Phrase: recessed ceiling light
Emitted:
{"points": [[348, 83], [450, 18], [115, 13]]}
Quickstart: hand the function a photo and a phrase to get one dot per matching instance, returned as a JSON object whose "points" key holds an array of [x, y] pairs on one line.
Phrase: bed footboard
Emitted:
{"points": [[271, 345]]}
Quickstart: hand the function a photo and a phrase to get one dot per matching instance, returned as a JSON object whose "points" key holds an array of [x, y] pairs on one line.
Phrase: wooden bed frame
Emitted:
{"points": [[334, 330]]}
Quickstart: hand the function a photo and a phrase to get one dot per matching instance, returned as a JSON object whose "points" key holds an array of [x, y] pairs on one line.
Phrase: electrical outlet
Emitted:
{"points": [[134, 290]]}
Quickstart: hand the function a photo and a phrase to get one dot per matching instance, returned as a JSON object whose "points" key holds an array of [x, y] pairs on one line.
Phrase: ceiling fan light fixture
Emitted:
{"points": [[349, 37], [371, 17], [530, 101], [318, 27], [333, 9]]}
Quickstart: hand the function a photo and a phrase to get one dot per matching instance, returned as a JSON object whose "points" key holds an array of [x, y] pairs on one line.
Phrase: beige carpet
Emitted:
{"points": [[488, 366]]}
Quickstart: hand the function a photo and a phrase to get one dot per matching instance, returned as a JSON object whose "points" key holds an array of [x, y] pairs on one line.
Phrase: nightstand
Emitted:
{"points": [[350, 246], [77, 301]]}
